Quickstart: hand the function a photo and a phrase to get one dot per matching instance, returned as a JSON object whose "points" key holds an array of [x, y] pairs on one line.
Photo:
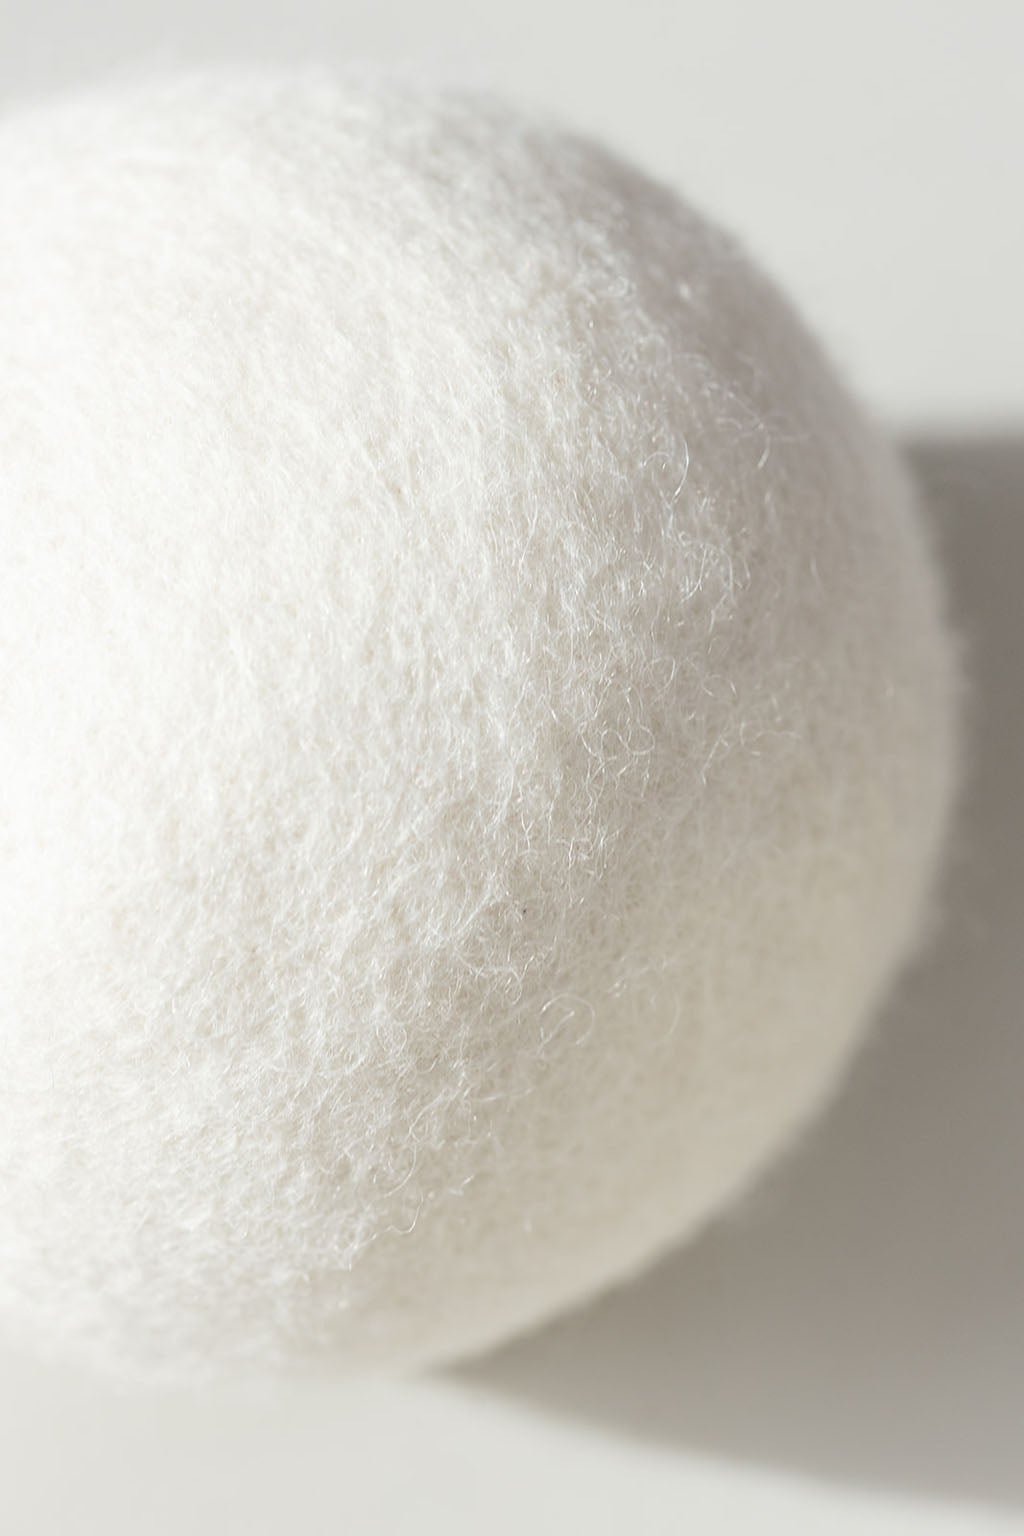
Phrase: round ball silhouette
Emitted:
{"points": [[477, 723]]}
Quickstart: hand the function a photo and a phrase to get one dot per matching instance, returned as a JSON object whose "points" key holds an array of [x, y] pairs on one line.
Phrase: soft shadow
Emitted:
{"points": [[863, 1318]]}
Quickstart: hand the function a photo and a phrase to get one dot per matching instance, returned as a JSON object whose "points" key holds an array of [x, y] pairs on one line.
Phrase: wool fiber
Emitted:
{"points": [[477, 723]]}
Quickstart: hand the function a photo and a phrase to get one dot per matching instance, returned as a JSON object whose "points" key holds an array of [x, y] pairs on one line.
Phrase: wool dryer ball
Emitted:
{"points": [[477, 723]]}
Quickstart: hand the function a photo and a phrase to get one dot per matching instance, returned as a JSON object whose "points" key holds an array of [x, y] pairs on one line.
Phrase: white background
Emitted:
{"points": [[846, 1354]]}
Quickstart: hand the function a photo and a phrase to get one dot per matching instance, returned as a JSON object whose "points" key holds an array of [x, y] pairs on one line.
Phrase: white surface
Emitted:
{"points": [[848, 1353], [406, 1461]]}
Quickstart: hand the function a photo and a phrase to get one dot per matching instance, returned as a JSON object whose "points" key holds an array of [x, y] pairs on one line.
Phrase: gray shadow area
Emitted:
{"points": [[861, 1318]]}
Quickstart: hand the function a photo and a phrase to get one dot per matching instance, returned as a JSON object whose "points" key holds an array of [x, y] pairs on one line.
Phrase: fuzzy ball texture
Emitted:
{"points": [[476, 723]]}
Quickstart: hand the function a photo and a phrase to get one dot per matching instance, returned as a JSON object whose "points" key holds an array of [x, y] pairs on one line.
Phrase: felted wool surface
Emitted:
{"points": [[476, 723]]}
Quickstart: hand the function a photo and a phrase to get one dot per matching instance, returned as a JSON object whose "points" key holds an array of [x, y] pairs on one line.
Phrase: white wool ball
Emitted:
{"points": [[476, 721]]}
